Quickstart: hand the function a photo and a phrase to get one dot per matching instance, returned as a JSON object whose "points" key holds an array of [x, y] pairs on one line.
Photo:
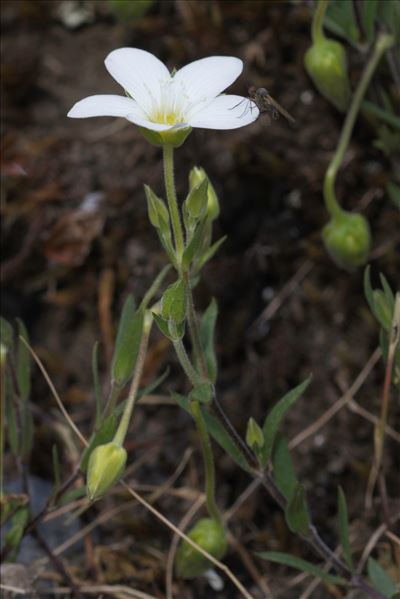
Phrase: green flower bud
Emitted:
{"points": [[210, 536], [106, 465], [347, 238], [326, 64], [172, 137], [254, 435], [196, 176]]}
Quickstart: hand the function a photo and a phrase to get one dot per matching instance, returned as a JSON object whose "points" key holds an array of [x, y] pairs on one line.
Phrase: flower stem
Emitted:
{"points": [[317, 32], [208, 462], [168, 151], [120, 435], [383, 42], [194, 328], [186, 364]]}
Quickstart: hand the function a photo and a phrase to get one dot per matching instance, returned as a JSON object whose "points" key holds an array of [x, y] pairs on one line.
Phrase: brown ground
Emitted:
{"points": [[61, 267]]}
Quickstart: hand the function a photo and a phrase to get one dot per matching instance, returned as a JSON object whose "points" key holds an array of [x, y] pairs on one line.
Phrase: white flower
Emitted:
{"points": [[161, 101]]}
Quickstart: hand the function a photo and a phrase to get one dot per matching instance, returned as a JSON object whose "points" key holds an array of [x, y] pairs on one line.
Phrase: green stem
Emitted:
{"points": [[186, 364], [194, 327], [384, 42], [120, 435], [172, 200], [317, 32], [208, 462]]}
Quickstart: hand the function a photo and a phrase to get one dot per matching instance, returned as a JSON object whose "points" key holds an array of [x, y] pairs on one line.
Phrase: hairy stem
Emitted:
{"points": [[172, 200]]}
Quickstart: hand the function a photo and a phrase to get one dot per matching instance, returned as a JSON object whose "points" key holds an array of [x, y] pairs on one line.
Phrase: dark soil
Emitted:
{"points": [[62, 263]]}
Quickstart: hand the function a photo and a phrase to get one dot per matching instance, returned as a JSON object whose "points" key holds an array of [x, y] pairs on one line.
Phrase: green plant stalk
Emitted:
{"points": [[317, 32], [168, 151], [194, 327], [112, 400], [122, 429], [379, 433], [383, 42], [3, 358], [186, 364], [208, 462]]}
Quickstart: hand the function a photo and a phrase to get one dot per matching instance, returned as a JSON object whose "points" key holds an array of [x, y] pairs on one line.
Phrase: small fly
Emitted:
{"points": [[265, 104]]}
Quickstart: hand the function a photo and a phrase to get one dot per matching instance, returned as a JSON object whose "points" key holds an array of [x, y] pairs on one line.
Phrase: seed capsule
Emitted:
{"points": [[210, 536], [326, 64], [106, 465], [347, 238]]}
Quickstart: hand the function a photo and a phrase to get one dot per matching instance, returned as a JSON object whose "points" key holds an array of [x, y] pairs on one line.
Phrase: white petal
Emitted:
{"points": [[104, 105], [204, 79], [140, 74], [225, 112], [143, 122]]}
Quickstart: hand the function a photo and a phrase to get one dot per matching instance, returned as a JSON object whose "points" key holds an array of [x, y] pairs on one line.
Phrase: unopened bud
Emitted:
{"points": [[106, 465], [326, 64], [196, 176], [211, 536], [347, 238]]}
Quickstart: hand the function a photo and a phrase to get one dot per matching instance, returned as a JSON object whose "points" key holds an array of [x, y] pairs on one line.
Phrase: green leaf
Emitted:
{"points": [[296, 511], [369, 10], [197, 200], [153, 385], [194, 245], [217, 431], [207, 333], [341, 20], [11, 418], [6, 334], [103, 435], [96, 382], [208, 254], [202, 393], [171, 332], [157, 211], [379, 579], [344, 528], [173, 302], [127, 343], [299, 564], [14, 536], [23, 363], [393, 192], [275, 417], [283, 469]]}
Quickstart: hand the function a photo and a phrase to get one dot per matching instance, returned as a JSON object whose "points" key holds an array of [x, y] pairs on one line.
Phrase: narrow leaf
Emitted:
{"points": [[207, 333], [11, 419], [344, 528], [173, 302], [23, 363], [208, 254], [96, 382], [6, 334], [369, 10], [296, 512], [379, 579], [194, 245], [299, 564], [217, 431], [128, 342], [283, 469], [103, 435], [275, 417]]}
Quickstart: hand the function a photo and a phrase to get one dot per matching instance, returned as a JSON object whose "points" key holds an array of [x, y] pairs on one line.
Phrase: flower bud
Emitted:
{"points": [[347, 239], [196, 176], [172, 137], [210, 536], [106, 465], [326, 64]]}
